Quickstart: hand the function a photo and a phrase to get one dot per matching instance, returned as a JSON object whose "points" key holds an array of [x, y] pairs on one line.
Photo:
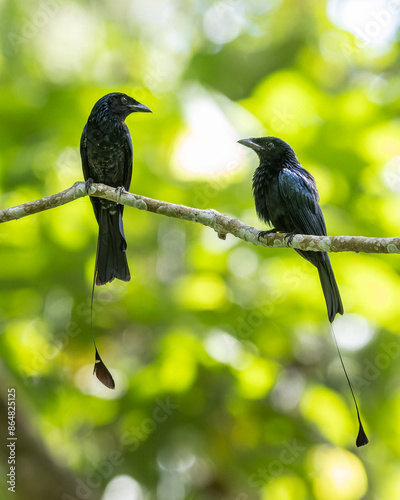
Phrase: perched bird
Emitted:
{"points": [[286, 198], [107, 155]]}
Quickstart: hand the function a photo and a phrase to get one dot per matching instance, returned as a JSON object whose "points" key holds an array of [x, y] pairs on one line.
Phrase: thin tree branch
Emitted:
{"points": [[222, 224]]}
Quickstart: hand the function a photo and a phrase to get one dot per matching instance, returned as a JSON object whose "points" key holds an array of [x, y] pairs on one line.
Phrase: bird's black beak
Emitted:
{"points": [[139, 108], [250, 143]]}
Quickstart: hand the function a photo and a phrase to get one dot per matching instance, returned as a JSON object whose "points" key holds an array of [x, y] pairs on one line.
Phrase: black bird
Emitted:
{"points": [[107, 155], [286, 197]]}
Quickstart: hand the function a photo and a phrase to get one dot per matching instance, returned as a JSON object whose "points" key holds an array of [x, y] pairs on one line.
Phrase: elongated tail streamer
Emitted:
{"points": [[361, 437]]}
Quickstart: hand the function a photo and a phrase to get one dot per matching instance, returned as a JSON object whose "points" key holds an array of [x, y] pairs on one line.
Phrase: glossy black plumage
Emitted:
{"points": [[107, 154], [286, 197]]}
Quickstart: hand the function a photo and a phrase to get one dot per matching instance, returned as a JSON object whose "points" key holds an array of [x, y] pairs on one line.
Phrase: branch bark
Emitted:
{"points": [[222, 224]]}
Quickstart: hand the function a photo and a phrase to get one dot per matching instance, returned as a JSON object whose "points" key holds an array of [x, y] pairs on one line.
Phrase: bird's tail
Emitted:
{"points": [[111, 259], [328, 282], [334, 305], [329, 287]]}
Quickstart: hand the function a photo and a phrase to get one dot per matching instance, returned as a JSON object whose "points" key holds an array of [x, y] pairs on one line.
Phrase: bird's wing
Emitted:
{"points": [[128, 160], [86, 170], [85, 164], [300, 195]]}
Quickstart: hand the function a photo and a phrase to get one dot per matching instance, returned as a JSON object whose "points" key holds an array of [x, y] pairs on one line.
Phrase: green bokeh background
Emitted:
{"points": [[228, 382]]}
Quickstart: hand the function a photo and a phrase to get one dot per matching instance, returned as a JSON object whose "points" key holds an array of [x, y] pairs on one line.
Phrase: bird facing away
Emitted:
{"points": [[286, 198], [107, 155]]}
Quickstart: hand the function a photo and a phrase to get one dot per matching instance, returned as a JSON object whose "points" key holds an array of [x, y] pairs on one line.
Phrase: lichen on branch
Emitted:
{"points": [[222, 224]]}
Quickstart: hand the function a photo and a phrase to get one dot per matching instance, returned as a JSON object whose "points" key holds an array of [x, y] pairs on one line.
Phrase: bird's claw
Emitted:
{"points": [[263, 234], [121, 190], [88, 184], [289, 238]]}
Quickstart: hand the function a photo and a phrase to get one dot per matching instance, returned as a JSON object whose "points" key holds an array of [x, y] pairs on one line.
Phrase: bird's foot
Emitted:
{"points": [[263, 234], [289, 238], [120, 190], [88, 184]]}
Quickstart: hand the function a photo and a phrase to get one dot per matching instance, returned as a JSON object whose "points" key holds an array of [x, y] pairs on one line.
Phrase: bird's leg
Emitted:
{"points": [[88, 184], [263, 234], [289, 238], [121, 190]]}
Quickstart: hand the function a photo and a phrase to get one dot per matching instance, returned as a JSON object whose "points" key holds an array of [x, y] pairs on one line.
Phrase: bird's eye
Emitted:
{"points": [[124, 100], [270, 145]]}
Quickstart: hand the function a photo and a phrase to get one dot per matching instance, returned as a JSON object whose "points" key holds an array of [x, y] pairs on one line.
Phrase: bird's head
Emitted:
{"points": [[118, 104], [270, 149]]}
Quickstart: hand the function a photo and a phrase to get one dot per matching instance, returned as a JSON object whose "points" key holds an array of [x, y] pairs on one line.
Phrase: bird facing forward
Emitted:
{"points": [[286, 197], [107, 155]]}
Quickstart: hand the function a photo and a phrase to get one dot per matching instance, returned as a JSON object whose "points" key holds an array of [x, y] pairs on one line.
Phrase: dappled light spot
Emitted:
{"points": [[391, 174], [258, 378], [123, 486], [243, 262], [373, 22], [68, 43], [353, 331], [337, 474], [178, 457], [208, 146], [224, 348], [222, 22]]}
